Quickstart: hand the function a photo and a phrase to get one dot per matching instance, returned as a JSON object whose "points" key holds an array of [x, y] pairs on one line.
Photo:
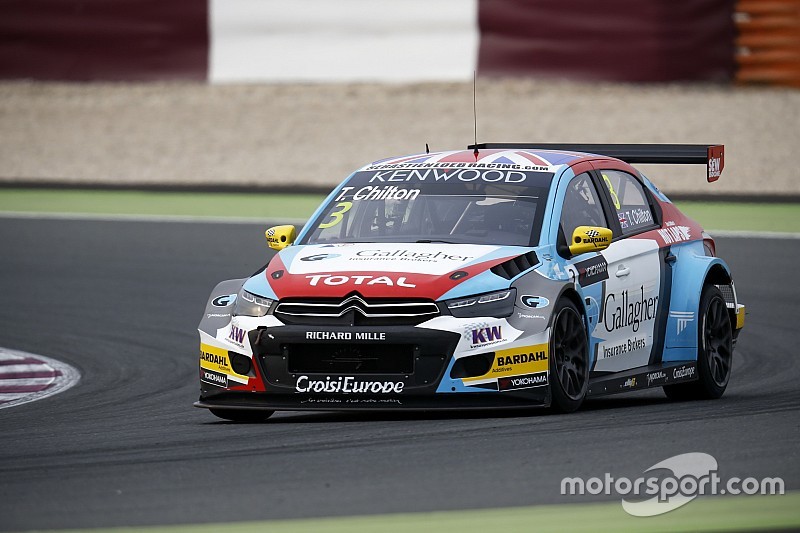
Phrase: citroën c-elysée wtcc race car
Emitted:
{"points": [[505, 275]]}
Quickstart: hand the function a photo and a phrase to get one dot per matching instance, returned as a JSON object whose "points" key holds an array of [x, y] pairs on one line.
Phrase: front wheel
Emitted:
{"points": [[242, 415], [714, 351], [569, 358]]}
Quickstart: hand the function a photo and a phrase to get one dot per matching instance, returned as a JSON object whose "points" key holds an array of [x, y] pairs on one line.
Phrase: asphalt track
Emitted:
{"points": [[120, 302]]}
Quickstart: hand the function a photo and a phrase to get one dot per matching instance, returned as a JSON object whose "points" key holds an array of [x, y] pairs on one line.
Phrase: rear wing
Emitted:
{"points": [[711, 155]]}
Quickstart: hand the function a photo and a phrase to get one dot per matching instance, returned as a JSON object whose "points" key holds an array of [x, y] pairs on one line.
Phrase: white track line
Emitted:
{"points": [[68, 377]]}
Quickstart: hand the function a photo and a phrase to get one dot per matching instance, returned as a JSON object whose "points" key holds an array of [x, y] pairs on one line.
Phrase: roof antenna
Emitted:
{"points": [[427, 150], [475, 111]]}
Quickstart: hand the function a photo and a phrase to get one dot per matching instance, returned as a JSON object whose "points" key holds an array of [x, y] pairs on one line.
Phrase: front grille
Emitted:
{"points": [[729, 295], [354, 310], [350, 358]]}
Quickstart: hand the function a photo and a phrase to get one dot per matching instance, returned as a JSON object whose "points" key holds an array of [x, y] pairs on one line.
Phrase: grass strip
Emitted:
{"points": [[743, 216], [255, 205], [727, 513]]}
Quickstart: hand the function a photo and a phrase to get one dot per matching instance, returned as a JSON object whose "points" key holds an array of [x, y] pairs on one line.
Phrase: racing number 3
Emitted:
{"points": [[611, 190], [337, 215]]}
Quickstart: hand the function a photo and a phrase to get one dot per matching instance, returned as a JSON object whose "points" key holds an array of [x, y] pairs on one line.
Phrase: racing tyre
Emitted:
{"points": [[569, 358], [242, 415], [714, 353]]}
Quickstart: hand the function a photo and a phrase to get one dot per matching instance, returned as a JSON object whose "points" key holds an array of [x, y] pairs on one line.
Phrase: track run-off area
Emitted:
{"points": [[119, 301]]}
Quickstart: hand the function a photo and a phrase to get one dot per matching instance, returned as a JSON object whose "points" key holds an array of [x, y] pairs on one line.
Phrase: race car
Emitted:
{"points": [[503, 275]]}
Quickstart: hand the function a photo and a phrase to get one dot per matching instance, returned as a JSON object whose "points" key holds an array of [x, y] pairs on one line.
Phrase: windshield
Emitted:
{"points": [[449, 205]]}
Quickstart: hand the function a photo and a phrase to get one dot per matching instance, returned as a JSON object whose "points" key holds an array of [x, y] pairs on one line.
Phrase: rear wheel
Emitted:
{"points": [[714, 350], [242, 415], [569, 358]]}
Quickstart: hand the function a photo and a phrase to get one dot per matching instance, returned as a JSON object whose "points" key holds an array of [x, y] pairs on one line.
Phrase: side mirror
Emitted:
{"points": [[279, 237], [590, 239]]}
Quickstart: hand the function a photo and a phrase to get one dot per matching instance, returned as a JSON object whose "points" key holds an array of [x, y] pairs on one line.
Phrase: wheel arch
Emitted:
{"points": [[692, 272], [570, 293], [718, 274]]}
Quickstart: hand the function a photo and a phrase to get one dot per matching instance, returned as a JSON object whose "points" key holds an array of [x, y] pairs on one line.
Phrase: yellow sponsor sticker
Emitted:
{"points": [[216, 359], [516, 362]]}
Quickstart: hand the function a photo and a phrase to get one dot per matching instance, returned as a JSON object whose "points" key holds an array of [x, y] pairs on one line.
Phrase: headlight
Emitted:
{"points": [[248, 304], [496, 304]]}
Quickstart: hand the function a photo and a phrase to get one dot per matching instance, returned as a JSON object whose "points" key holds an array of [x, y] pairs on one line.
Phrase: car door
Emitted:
{"points": [[627, 333], [583, 206]]}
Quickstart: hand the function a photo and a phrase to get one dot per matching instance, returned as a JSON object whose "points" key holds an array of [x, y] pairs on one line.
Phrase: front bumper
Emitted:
{"points": [[360, 368]]}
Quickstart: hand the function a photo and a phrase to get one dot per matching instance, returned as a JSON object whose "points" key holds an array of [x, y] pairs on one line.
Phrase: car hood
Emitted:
{"points": [[385, 270]]}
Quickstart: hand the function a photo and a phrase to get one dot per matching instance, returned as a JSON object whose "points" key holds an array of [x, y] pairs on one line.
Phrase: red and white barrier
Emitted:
{"points": [[225, 41]]}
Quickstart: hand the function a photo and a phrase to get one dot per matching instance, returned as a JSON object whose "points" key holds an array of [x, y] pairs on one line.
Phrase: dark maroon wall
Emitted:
{"points": [[104, 39], [619, 40]]}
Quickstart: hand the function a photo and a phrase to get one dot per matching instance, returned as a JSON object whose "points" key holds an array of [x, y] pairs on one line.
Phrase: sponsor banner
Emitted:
{"points": [[530, 316], [224, 301], [217, 360], [213, 378], [331, 280], [607, 350], [592, 271], [655, 378], [676, 229], [483, 334], [346, 385], [379, 270], [515, 362], [675, 234], [593, 236], [534, 302], [686, 372], [643, 380], [444, 172], [630, 383], [716, 162], [476, 335], [369, 336], [324, 263], [522, 382], [629, 310], [350, 400], [237, 335]]}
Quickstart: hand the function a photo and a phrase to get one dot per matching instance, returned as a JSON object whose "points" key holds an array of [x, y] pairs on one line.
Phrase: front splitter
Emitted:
{"points": [[534, 397]]}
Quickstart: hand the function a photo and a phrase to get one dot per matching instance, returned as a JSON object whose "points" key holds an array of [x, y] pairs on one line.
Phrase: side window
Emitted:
{"points": [[630, 201], [581, 206]]}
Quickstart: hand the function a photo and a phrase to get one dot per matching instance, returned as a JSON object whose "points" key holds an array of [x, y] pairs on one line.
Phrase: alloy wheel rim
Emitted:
{"points": [[717, 337], [569, 352]]}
